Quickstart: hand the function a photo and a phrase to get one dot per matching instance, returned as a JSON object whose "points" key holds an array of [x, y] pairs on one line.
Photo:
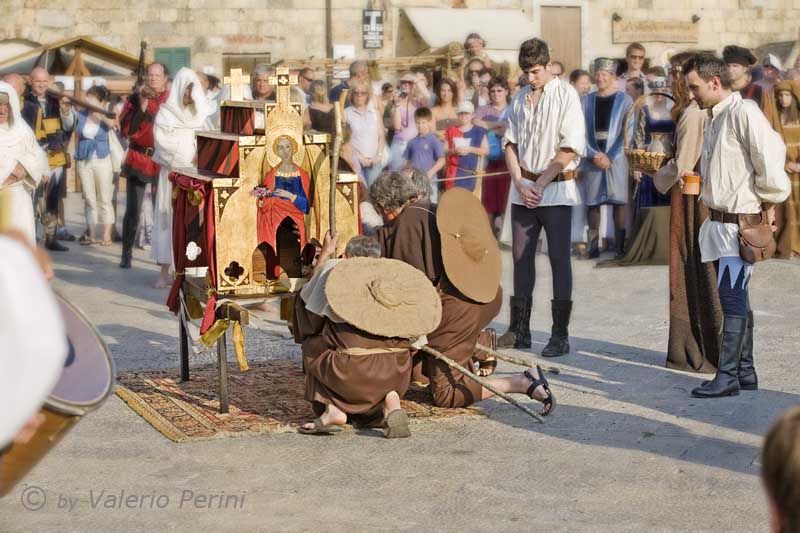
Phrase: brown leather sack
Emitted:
{"points": [[756, 238]]}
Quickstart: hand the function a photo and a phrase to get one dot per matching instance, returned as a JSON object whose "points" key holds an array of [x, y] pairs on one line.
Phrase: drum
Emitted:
{"points": [[86, 381]]}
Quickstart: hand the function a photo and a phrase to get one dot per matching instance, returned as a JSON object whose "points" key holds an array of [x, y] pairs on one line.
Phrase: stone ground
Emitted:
{"points": [[626, 450]]}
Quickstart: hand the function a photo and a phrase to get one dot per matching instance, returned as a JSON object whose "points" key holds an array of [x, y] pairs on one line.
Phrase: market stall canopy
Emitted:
{"points": [[422, 29], [75, 56], [785, 51]]}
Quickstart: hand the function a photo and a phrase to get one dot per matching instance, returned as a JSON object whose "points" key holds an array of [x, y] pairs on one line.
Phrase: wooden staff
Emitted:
{"points": [[516, 360], [82, 103], [337, 148], [483, 382]]}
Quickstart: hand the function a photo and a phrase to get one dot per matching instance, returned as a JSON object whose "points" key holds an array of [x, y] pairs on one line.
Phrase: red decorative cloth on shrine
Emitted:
{"points": [[192, 196]]}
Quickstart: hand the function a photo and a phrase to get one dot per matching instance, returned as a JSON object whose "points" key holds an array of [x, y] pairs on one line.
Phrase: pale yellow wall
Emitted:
{"points": [[295, 28]]}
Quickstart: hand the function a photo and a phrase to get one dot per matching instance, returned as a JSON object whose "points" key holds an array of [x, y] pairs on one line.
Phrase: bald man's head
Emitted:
{"points": [[16, 81], [40, 80]]}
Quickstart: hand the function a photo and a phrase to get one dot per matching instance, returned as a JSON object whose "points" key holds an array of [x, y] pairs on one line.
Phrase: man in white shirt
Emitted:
{"points": [[544, 141], [742, 173]]}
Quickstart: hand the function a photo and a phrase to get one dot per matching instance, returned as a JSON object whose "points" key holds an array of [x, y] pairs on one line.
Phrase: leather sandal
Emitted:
{"points": [[549, 402], [320, 428]]}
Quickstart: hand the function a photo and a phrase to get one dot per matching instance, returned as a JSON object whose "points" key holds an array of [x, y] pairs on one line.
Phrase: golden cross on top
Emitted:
{"points": [[283, 82], [236, 80]]}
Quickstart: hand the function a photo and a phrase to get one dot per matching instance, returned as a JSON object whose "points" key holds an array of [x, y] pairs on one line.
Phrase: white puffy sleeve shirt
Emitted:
{"points": [[540, 132], [742, 166]]}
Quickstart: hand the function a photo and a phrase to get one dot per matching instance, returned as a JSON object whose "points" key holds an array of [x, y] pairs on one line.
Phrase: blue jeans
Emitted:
{"points": [[372, 173], [396, 161]]}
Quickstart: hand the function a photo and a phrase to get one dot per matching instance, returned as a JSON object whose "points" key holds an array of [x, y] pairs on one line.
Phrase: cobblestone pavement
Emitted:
{"points": [[627, 449]]}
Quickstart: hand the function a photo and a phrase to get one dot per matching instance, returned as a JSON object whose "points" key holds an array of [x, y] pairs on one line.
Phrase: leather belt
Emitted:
{"points": [[725, 218], [562, 176], [141, 149]]}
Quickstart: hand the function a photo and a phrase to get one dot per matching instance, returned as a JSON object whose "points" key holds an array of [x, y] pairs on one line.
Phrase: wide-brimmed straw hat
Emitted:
{"points": [[470, 252], [384, 297]]}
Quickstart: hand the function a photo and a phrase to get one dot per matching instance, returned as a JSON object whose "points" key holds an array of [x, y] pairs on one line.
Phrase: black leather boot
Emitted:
{"points": [[619, 243], [509, 338], [593, 248], [748, 380], [52, 244], [558, 344], [524, 325], [127, 255], [726, 382]]}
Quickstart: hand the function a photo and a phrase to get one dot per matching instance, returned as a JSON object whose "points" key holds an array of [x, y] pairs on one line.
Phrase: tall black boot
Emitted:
{"points": [[726, 382], [619, 243], [52, 244], [558, 344], [127, 255], [748, 380], [593, 248], [509, 338], [524, 325]]}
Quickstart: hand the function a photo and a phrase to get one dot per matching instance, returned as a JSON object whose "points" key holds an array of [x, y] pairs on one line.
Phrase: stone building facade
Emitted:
{"points": [[208, 32]]}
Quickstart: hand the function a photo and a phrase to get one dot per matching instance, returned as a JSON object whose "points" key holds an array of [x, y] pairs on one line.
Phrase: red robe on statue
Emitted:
{"points": [[274, 210]]}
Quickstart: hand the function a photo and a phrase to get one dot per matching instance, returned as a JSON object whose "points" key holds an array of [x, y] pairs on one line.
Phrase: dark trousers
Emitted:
{"points": [[526, 225], [733, 277], [133, 207]]}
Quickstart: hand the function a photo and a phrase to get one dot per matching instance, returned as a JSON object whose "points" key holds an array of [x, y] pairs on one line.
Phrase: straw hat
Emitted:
{"points": [[470, 252], [384, 297]]}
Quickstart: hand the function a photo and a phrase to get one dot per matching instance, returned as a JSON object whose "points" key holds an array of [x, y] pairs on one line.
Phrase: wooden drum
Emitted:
{"points": [[86, 381]]}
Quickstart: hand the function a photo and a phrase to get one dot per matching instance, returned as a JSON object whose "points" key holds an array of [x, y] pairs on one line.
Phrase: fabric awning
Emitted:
{"points": [[502, 29], [100, 58]]}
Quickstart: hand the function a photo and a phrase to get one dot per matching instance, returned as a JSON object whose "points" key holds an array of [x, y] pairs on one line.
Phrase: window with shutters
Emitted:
{"points": [[173, 58]]}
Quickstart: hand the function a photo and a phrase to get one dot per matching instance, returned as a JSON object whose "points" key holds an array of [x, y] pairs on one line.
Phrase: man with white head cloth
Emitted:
{"points": [[184, 113], [22, 163]]}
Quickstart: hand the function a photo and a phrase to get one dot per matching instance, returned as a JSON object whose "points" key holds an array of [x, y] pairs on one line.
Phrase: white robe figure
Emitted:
{"points": [[18, 145], [175, 146]]}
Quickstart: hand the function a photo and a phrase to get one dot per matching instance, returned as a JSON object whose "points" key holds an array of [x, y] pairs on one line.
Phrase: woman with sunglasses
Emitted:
{"points": [[368, 136]]}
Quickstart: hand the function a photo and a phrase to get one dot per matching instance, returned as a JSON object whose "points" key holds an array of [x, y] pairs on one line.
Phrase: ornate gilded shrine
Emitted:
{"points": [[269, 188]]}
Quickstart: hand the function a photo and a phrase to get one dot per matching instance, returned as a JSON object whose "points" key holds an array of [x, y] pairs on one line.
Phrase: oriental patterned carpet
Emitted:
{"points": [[268, 398]]}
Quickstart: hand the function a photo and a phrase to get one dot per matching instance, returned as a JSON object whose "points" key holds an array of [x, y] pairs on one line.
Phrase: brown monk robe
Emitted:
{"points": [[347, 367], [414, 239], [462, 322]]}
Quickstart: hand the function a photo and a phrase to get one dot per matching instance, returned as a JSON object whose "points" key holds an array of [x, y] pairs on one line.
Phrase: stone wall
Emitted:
{"points": [[296, 28]]}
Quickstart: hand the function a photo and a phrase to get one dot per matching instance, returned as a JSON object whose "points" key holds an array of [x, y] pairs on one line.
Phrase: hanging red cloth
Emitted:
{"points": [[191, 196]]}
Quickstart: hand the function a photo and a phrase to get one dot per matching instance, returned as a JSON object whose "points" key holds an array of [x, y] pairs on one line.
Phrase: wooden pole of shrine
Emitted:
{"points": [[337, 147]]}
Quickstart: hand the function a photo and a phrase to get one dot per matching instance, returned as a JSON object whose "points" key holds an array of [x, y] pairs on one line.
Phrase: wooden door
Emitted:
{"points": [[561, 29]]}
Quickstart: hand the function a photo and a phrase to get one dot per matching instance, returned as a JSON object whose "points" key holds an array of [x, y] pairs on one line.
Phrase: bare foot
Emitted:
{"points": [[331, 417], [161, 283]]}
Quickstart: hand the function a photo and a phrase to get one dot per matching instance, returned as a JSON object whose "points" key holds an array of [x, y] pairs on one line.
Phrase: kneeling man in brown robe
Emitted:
{"points": [[453, 244], [355, 320]]}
